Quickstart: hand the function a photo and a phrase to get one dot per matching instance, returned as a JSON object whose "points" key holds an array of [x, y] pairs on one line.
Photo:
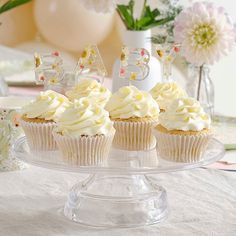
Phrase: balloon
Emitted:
{"points": [[32, 47], [17, 25], [120, 27], [69, 25]]}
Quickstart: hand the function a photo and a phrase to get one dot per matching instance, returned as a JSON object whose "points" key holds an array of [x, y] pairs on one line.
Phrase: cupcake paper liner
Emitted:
{"points": [[39, 135], [134, 136], [182, 148], [84, 150]]}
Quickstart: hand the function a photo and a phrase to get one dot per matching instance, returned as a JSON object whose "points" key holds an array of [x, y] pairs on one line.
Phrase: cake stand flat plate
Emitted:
{"points": [[119, 161]]}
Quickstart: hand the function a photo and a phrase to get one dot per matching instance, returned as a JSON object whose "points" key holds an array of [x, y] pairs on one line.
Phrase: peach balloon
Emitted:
{"points": [[69, 25], [17, 25]]}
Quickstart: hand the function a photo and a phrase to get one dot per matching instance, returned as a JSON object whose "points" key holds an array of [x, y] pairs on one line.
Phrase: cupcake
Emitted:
{"points": [[166, 92], [38, 119], [184, 131], [134, 113], [84, 133], [91, 89]]}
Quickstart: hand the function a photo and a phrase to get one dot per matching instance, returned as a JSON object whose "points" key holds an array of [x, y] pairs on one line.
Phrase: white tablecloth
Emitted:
{"points": [[202, 202]]}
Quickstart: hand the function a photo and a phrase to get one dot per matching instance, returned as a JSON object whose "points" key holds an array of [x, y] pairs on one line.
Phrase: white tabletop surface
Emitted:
{"points": [[202, 202]]}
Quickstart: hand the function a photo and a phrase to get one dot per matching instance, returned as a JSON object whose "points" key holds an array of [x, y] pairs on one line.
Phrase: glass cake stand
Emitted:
{"points": [[117, 193]]}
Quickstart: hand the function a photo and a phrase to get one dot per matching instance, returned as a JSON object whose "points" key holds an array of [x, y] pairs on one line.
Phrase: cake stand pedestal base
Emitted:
{"points": [[116, 201], [117, 193]]}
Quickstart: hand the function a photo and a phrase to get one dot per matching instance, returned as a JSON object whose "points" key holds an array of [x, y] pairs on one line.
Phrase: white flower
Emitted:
{"points": [[102, 6], [205, 33]]}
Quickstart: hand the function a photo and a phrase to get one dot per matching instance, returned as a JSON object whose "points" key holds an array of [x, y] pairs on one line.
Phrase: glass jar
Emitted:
{"points": [[203, 90], [3, 87]]}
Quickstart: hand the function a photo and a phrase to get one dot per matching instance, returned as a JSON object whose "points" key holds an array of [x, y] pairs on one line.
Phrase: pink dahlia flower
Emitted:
{"points": [[205, 33]]}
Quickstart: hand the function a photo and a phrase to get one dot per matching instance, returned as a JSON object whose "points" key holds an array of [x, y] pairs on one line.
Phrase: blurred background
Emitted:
{"points": [[67, 26]]}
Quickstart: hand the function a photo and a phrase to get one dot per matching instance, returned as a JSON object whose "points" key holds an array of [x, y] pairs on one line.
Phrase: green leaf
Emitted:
{"points": [[147, 12], [12, 4], [145, 21], [144, 8], [156, 13], [131, 7], [158, 39], [126, 16], [148, 16], [159, 22], [230, 146]]}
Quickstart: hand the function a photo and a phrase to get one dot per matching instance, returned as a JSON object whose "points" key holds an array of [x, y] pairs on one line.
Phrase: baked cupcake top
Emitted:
{"points": [[185, 114], [48, 105], [130, 102], [164, 93], [91, 89], [83, 117]]}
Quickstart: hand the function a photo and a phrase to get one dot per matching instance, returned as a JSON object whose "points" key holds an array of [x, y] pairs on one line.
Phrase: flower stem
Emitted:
{"points": [[199, 82], [143, 9]]}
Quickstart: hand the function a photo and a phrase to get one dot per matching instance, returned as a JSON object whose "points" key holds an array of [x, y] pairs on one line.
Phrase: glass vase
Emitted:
{"points": [[201, 87], [3, 87], [138, 39]]}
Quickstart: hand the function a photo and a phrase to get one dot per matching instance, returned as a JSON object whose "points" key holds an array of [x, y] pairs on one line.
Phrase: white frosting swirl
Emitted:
{"points": [[129, 102], [91, 89], [84, 118], [165, 93], [48, 105], [185, 114]]}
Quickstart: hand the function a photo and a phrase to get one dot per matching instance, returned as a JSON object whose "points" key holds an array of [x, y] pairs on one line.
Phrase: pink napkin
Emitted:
{"points": [[222, 166]]}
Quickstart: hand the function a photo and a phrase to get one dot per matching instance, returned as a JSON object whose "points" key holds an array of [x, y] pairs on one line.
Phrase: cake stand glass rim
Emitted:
{"points": [[22, 154]]}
